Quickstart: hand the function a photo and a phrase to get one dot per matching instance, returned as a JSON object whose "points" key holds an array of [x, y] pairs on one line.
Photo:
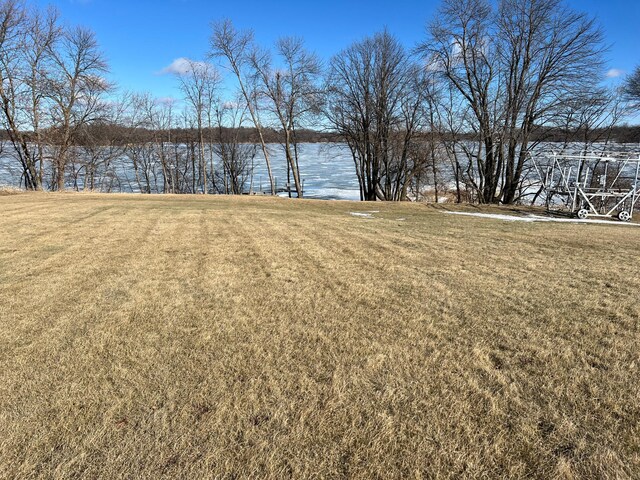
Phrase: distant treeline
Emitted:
{"points": [[122, 135]]}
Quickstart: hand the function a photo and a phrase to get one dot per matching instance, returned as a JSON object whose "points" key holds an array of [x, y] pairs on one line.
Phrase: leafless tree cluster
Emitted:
{"points": [[199, 84], [52, 84], [282, 92], [377, 98], [172, 149], [237, 157], [512, 69], [236, 47]]}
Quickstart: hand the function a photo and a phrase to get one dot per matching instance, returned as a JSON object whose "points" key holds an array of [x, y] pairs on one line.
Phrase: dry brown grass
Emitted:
{"points": [[8, 190], [191, 337]]}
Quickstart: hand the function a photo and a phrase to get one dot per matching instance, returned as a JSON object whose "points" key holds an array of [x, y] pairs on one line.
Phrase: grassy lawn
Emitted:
{"points": [[191, 337]]}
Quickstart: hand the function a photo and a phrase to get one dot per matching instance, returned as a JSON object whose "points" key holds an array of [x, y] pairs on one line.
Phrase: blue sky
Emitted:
{"points": [[141, 37]]}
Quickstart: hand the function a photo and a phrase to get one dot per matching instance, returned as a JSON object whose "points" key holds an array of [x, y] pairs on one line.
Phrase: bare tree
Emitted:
{"points": [[27, 37], [292, 92], [199, 84], [76, 88], [235, 46], [161, 117], [514, 68], [375, 100], [42, 35]]}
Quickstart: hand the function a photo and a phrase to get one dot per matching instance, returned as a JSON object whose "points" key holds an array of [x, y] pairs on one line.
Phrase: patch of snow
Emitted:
{"points": [[495, 216], [362, 214], [538, 218], [327, 193]]}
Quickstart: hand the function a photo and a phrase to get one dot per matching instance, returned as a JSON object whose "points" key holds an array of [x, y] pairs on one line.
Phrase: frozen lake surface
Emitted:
{"points": [[326, 169]]}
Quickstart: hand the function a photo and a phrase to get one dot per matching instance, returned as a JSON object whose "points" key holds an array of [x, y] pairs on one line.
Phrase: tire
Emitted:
{"points": [[583, 213], [624, 216]]}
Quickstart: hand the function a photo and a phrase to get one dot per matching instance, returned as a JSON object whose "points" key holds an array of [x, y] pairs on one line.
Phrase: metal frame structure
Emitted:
{"points": [[604, 184]]}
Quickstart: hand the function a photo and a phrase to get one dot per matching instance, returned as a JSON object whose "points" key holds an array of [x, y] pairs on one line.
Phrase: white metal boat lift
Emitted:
{"points": [[604, 184]]}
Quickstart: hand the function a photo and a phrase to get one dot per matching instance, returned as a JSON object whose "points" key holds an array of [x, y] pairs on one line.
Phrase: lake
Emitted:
{"points": [[326, 169]]}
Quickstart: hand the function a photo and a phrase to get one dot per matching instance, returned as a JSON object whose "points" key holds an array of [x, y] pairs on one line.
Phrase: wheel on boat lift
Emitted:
{"points": [[583, 213], [624, 216]]}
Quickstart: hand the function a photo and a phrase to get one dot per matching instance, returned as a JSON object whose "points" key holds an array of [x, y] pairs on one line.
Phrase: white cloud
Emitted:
{"points": [[166, 100], [615, 73], [180, 66]]}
